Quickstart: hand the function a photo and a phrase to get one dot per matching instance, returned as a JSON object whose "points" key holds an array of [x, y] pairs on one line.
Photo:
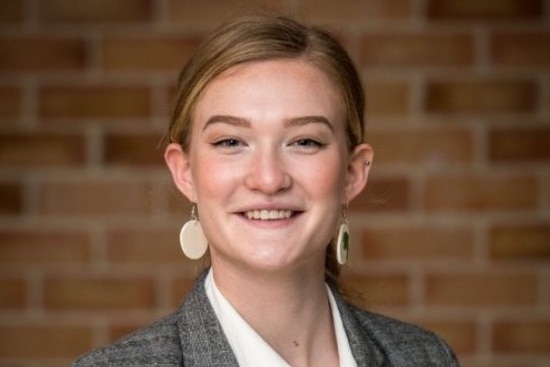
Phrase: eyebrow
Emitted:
{"points": [[227, 119], [243, 122], [304, 120]]}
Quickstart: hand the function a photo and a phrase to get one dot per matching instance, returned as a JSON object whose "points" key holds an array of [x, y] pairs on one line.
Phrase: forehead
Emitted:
{"points": [[285, 85]]}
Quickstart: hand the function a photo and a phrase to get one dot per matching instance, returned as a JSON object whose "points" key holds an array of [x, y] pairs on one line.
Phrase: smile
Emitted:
{"points": [[268, 214]]}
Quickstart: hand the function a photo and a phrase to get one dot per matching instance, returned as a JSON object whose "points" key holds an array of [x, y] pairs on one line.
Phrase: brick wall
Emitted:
{"points": [[453, 231]]}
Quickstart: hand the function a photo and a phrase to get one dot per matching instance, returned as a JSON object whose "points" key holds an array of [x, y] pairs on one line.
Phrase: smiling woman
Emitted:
{"points": [[280, 146], [266, 141]]}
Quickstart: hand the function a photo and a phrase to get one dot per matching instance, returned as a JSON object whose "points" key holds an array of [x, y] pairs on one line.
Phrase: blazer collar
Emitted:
{"points": [[203, 342], [362, 344]]}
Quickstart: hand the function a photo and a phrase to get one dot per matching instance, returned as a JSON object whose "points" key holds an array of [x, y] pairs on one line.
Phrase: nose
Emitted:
{"points": [[267, 173]]}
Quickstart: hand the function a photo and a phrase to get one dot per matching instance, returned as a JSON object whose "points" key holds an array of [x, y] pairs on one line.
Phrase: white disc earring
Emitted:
{"points": [[192, 240], [342, 241]]}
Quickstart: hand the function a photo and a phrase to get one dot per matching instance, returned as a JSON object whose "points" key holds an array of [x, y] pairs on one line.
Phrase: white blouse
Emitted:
{"points": [[249, 347]]}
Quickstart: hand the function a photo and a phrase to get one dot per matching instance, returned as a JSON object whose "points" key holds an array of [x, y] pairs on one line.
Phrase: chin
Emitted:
{"points": [[270, 263], [281, 263]]}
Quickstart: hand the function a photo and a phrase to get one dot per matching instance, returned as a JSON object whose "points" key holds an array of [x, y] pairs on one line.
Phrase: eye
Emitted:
{"points": [[227, 143], [308, 143]]}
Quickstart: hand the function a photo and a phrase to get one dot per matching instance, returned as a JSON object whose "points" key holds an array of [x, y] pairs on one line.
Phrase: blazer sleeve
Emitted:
{"points": [[378, 340], [156, 345]]}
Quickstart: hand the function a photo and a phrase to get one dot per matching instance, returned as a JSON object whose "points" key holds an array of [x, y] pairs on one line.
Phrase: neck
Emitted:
{"points": [[289, 310]]}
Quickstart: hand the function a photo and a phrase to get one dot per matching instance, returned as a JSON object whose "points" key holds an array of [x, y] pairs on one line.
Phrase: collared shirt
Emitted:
{"points": [[249, 347]]}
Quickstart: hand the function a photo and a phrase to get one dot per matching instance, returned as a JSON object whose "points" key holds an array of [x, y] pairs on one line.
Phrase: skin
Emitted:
{"points": [[268, 139]]}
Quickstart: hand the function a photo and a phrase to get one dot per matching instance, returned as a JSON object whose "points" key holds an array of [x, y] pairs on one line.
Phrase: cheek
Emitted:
{"points": [[213, 177], [325, 178]]}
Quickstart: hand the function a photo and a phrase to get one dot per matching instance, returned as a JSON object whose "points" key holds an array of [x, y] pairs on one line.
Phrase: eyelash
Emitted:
{"points": [[227, 143], [307, 142]]}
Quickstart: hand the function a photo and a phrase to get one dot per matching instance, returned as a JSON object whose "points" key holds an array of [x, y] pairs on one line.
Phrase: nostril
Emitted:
{"points": [[268, 177]]}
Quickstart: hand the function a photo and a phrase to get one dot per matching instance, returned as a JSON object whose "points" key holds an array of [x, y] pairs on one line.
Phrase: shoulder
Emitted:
{"points": [[402, 343], [157, 344]]}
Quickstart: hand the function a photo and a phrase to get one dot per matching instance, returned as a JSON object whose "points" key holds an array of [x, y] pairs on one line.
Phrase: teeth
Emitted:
{"points": [[268, 214]]}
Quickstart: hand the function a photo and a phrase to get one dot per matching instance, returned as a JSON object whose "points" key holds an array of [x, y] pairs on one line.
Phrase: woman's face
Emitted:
{"points": [[268, 165]]}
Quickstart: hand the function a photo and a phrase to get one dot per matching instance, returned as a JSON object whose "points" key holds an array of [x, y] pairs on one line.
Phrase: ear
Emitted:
{"points": [[360, 162], [180, 167]]}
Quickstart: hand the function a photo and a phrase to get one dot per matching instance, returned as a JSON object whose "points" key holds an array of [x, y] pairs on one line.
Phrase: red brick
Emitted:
{"points": [[134, 246], [214, 11], [33, 247], [57, 341], [11, 198], [102, 124], [95, 197], [522, 336], [481, 96], [383, 194], [95, 102], [163, 53], [545, 292], [520, 145], [98, 293], [178, 205], [545, 192], [356, 11], [41, 54], [387, 98], [421, 147], [476, 289], [98, 11], [41, 149], [133, 150], [484, 10], [417, 50], [172, 91], [10, 102], [12, 293], [117, 331], [459, 334], [521, 242], [12, 11], [481, 193], [422, 244], [379, 290], [118, 196], [521, 49], [181, 286]]}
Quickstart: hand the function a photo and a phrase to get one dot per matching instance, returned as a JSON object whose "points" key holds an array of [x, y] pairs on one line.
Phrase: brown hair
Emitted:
{"points": [[268, 37]]}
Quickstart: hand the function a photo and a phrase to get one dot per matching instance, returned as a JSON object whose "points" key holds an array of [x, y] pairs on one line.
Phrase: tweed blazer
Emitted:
{"points": [[193, 337]]}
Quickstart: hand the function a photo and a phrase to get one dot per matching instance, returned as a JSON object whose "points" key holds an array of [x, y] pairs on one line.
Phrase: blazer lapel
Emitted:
{"points": [[204, 344], [361, 343], [202, 339]]}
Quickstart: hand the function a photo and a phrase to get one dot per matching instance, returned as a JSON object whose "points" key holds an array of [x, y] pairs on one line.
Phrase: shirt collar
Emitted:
{"points": [[249, 347]]}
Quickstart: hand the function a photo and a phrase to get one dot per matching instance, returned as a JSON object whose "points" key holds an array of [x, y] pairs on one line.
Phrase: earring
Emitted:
{"points": [[192, 240], [342, 242]]}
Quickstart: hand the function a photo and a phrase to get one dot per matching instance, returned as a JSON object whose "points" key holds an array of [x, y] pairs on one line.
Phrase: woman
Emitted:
{"points": [[266, 141]]}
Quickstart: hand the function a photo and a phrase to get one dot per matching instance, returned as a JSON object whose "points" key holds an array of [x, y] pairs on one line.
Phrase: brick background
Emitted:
{"points": [[452, 233]]}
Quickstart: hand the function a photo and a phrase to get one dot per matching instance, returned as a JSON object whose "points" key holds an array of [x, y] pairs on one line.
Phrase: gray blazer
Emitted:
{"points": [[192, 336]]}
